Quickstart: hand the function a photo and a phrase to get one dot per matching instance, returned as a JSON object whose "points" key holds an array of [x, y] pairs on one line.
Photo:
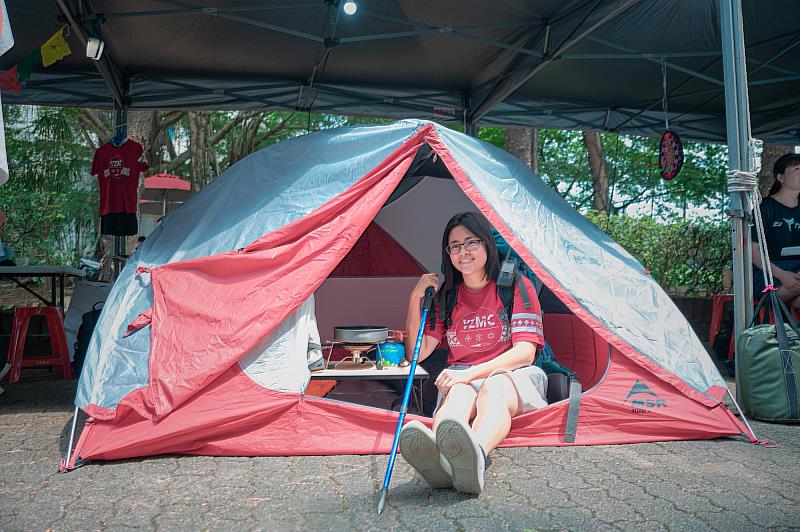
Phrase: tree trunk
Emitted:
{"points": [[143, 128], [599, 168], [770, 154], [199, 163], [535, 150], [519, 143]]}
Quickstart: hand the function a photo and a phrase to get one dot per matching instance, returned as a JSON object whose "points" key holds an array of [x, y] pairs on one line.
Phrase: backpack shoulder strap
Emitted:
{"points": [[523, 291], [506, 295], [445, 301]]}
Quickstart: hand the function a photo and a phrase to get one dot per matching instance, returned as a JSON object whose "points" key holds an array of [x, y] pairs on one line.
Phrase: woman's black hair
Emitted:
{"points": [[479, 226], [783, 162]]}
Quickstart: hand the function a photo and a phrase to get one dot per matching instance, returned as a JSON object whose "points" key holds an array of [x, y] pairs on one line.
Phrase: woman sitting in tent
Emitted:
{"points": [[490, 377], [780, 211]]}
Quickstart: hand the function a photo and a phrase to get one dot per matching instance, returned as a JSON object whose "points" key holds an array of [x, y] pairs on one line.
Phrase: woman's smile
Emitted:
{"points": [[471, 263]]}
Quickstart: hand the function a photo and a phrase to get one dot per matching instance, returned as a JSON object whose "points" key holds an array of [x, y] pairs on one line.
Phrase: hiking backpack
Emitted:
{"points": [[88, 323]]}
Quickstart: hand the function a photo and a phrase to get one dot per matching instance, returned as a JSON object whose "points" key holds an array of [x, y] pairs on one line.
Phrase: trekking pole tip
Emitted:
{"points": [[381, 500]]}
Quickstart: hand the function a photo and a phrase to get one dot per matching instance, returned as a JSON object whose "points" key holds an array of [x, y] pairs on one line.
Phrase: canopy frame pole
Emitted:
{"points": [[107, 68], [514, 80], [120, 128], [739, 158]]}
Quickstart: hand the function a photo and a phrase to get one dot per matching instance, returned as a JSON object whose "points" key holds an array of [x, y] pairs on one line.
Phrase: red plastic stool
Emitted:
{"points": [[717, 310], [59, 357]]}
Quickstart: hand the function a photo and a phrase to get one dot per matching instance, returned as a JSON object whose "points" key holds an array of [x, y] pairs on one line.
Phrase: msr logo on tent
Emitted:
{"points": [[640, 404]]}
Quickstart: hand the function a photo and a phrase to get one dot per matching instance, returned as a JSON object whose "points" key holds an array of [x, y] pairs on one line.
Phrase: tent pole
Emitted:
{"points": [[741, 413], [71, 438], [740, 158]]}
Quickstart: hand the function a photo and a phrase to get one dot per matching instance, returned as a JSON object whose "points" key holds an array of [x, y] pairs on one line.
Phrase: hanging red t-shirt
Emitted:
{"points": [[117, 171], [479, 334]]}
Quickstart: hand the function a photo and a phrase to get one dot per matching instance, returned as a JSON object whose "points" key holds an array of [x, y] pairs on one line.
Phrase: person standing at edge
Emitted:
{"points": [[780, 213]]}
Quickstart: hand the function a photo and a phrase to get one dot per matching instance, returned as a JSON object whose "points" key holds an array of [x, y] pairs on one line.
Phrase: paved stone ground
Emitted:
{"points": [[722, 485]]}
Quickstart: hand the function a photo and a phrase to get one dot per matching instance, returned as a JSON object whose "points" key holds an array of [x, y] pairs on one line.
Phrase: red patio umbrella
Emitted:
{"points": [[162, 193]]}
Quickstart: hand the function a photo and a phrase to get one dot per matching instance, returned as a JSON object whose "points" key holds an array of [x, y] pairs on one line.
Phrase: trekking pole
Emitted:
{"points": [[426, 308]]}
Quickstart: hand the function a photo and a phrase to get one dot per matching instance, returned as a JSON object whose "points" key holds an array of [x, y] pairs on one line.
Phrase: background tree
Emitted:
{"points": [[522, 142], [50, 200], [599, 169]]}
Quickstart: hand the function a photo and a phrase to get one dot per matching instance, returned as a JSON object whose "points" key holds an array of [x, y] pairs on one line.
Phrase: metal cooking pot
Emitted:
{"points": [[360, 334]]}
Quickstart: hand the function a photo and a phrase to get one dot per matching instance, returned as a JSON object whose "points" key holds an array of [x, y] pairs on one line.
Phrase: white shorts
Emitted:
{"points": [[530, 383]]}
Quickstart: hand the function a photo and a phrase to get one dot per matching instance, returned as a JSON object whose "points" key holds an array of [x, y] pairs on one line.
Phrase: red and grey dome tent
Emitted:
{"points": [[201, 347]]}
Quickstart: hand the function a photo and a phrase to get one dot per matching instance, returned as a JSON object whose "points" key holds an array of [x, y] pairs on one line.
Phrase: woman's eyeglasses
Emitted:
{"points": [[469, 245]]}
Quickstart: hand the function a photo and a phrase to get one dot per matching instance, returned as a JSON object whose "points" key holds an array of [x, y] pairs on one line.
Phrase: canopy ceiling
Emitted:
{"points": [[573, 64]]}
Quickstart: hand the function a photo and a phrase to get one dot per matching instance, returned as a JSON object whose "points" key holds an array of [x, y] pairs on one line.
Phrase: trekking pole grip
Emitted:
{"points": [[427, 303]]}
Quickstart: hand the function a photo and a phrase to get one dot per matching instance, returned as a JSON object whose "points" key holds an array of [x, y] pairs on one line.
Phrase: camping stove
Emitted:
{"points": [[357, 357]]}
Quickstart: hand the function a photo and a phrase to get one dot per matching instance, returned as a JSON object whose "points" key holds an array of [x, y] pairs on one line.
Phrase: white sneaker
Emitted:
{"points": [[418, 447], [458, 445]]}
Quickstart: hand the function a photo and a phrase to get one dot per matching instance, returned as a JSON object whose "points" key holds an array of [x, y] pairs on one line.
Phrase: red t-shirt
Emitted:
{"points": [[478, 333], [117, 171]]}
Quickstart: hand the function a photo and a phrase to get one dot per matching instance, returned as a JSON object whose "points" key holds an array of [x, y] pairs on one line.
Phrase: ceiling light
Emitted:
{"points": [[350, 7], [94, 48]]}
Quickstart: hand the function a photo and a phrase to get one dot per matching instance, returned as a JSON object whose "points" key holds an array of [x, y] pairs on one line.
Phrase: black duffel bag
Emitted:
{"points": [[88, 323]]}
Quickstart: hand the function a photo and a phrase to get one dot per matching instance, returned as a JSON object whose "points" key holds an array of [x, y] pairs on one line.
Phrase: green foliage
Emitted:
{"points": [[634, 176], [683, 256], [564, 165], [49, 199], [493, 135]]}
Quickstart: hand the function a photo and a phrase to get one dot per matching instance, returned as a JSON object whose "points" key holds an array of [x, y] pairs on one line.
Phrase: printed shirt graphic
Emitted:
{"points": [[781, 227], [117, 171], [480, 330]]}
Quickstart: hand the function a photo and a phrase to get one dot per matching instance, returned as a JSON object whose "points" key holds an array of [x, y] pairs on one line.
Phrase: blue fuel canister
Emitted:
{"points": [[390, 354]]}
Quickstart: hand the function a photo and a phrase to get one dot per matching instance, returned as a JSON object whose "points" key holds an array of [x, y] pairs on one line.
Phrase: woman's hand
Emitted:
{"points": [[428, 279], [450, 377]]}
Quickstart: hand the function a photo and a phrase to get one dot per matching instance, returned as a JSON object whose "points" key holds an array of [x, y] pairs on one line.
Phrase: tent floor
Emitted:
{"points": [[378, 394]]}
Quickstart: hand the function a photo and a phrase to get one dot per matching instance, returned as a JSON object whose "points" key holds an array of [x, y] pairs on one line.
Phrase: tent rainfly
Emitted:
{"points": [[201, 348]]}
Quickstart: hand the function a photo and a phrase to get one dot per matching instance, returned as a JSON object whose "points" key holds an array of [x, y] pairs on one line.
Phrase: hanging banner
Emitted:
{"points": [[55, 49]]}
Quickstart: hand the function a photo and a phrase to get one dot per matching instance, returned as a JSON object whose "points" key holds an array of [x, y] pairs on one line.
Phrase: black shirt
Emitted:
{"points": [[781, 227]]}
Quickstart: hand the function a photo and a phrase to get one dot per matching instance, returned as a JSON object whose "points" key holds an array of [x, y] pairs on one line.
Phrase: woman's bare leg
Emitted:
{"points": [[459, 403], [497, 403]]}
